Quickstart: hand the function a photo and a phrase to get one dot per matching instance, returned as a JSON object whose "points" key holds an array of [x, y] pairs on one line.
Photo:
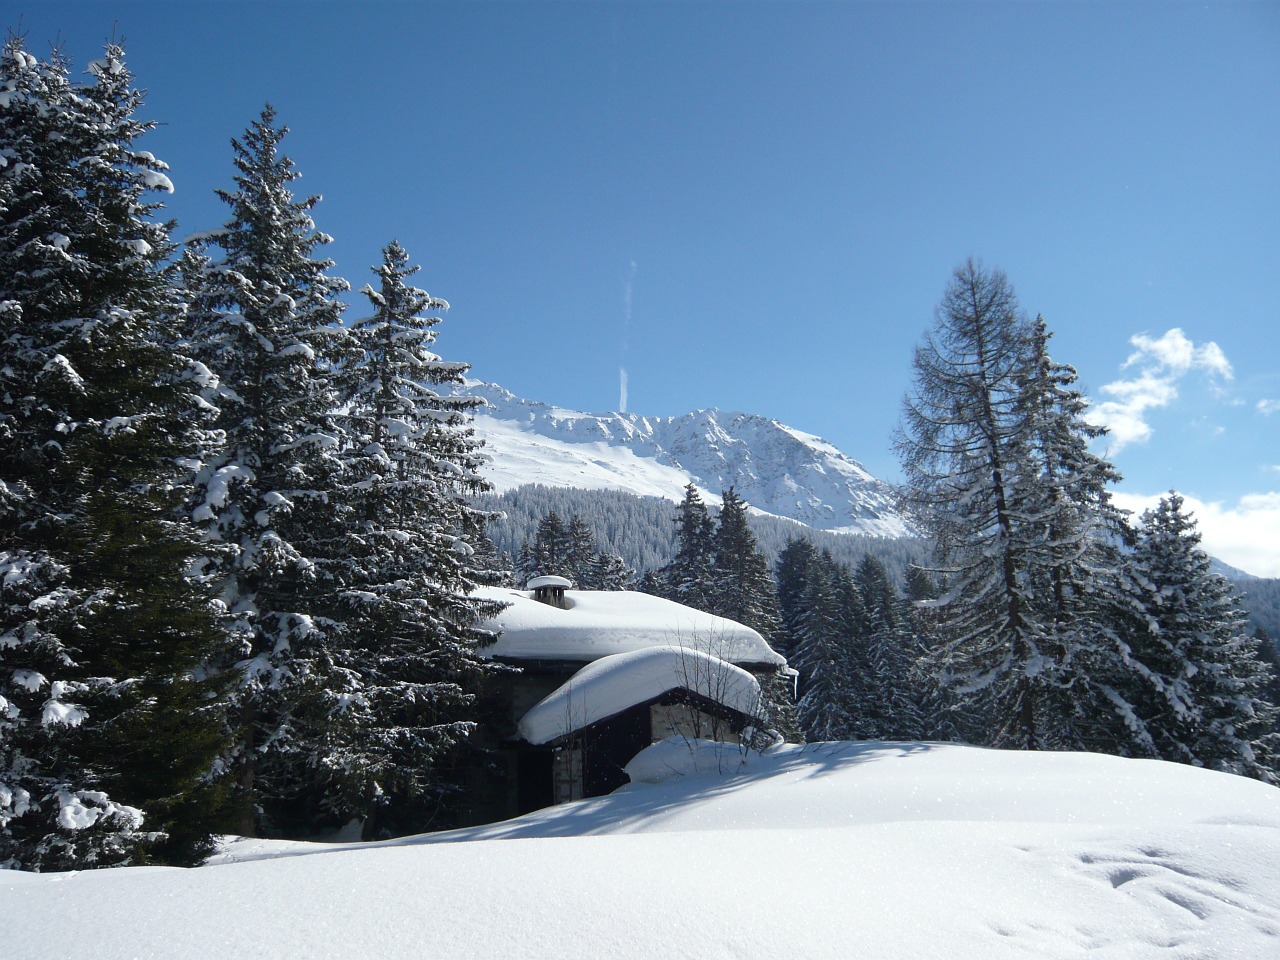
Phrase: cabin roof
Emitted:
{"points": [[615, 683], [601, 623]]}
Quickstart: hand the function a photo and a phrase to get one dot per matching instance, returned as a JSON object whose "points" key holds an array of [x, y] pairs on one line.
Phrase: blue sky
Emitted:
{"points": [[757, 206]]}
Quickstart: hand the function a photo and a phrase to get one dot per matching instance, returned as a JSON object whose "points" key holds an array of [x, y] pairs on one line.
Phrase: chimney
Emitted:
{"points": [[550, 590]]}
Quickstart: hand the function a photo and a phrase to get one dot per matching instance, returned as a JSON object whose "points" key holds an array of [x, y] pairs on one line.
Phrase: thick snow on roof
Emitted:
{"points": [[549, 581], [600, 623], [612, 684]]}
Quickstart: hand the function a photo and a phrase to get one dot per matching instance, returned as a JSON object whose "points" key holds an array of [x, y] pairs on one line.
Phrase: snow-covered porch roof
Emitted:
{"points": [[597, 624], [618, 682]]}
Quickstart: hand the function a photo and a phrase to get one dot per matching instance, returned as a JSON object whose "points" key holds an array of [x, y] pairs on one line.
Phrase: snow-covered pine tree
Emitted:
{"points": [[263, 316], [580, 562], [104, 717], [550, 553], [1071, 557], [740, 588], [610, 572], [792, 572], [1205, 702], [406, 652], [569, 550], [687, 578], [940, 718], [893, 702], [826, 706]]}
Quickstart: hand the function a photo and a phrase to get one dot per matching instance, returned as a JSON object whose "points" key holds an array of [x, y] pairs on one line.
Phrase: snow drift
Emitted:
{"points": [[831, 850]]}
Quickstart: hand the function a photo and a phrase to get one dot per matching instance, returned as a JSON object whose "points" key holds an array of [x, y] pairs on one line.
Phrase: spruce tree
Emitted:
{"points": [[109, 730], [550, 553], [610, 572], [1205, 702], [822, 655], [263, 316], [687, 578], [792, 572], [740, 587], [893, 700], [579, 564], [1071, 558], [403, 570]]}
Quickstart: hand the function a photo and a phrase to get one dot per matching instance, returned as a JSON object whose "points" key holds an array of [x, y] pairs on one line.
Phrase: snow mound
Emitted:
{"points": [[677, 757], [891, 851]]}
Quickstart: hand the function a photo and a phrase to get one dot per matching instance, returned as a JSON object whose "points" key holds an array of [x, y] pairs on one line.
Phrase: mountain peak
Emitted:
{"points": [[777, 469]]}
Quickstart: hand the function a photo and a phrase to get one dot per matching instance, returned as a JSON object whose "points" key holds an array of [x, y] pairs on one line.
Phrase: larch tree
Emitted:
{"points": [[956, 445], [109, 731], [263, 316]]}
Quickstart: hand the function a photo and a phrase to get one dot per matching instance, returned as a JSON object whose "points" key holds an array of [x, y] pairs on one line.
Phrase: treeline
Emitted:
{"points": [[236, 537], [1261, 601], [639, 529]]}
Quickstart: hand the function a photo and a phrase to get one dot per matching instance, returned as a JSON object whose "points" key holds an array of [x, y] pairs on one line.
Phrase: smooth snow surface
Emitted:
{"points": [[884, 851], [600, 623], [612, 684]]}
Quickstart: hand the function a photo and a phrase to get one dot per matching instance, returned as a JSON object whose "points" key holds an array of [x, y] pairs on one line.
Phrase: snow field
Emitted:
{"points": [[829, 851]]}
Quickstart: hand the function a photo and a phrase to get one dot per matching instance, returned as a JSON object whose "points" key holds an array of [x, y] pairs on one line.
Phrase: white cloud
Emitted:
{"points": [[1175, 353], [1245, 535], [1268, 407], [1161, 363]]}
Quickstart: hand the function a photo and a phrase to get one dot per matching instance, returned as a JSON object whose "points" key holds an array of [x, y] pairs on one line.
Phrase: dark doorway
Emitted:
{"points": [[533, 779]]}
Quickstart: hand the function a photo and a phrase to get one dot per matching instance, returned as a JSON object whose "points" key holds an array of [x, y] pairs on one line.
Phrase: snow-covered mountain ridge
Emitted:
{"points": [[778, 470]]}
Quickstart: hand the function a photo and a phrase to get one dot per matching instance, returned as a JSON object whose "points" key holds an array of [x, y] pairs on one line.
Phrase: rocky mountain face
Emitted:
{"points": [[778, 470]]}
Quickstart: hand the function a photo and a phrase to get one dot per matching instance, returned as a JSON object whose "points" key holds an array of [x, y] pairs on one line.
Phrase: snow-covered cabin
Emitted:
{"points": [[603, 674]]}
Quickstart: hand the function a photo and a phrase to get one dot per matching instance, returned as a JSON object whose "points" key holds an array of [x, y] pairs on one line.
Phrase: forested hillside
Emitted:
{"points": [[642, 530]]}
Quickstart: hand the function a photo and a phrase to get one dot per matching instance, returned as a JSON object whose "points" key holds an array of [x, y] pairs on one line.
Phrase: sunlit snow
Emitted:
{"points": [[599, 623], [614, 683], [884, 851]]}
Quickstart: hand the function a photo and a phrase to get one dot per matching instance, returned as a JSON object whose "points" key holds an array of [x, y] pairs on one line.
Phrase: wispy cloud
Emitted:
{"points": [[1245, 535], [1159, 364], [1268, 407]]}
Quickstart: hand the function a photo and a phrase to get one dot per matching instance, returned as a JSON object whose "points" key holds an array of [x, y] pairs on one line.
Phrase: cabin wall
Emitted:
{"points": [[516, 777], [687, 721]]}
